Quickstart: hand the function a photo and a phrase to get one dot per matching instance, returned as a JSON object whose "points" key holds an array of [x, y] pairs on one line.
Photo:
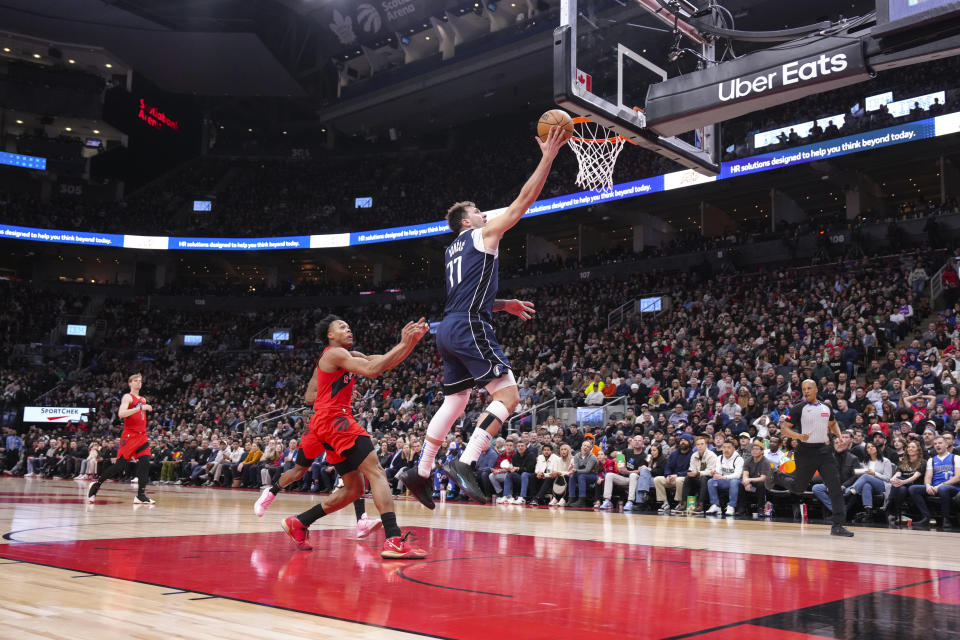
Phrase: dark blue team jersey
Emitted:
{"points": [[472, 275]]}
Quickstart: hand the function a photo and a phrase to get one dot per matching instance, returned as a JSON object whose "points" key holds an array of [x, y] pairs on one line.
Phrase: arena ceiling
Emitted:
{"points": [[206, 47], [500, 81], [280, 48]]}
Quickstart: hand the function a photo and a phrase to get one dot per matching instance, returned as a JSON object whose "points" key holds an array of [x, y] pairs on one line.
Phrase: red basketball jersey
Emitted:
{"points": [[334, 390], [136, 423]]}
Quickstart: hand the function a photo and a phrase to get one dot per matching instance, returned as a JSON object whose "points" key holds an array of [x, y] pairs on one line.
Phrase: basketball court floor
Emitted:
{"points": [[200, 564]]}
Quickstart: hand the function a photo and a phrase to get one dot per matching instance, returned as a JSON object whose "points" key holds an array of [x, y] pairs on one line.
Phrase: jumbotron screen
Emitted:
{"points": [[900, 9], [894, 16]]}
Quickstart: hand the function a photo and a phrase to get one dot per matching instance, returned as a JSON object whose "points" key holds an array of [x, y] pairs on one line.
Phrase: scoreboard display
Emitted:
{"points": [[902, 16]]}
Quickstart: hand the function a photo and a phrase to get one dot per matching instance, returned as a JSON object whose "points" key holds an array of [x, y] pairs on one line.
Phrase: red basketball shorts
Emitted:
{"points": [[334, 433], [133, 445]]}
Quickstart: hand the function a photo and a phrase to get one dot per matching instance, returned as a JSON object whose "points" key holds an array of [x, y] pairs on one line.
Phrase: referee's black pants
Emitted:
{"points": [[811, 458]]}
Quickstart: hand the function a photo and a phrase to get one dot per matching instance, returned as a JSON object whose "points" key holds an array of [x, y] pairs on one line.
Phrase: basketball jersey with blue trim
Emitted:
{"points": [[472, 275], [942, 469]]}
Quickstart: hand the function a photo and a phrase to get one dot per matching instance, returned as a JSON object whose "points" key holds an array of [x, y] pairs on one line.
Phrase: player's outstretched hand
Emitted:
{"points": [[422, 327], [413, 331], [520, 308], [555, 139]]}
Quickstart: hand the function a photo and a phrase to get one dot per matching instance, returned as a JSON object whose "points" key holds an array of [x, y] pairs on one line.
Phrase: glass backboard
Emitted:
{"points": [[607, 53]]}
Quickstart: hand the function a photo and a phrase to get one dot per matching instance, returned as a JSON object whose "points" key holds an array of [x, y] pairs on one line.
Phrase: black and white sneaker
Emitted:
{"points": [[462, 474], [418, 486], [144, 500], [92, 493]]}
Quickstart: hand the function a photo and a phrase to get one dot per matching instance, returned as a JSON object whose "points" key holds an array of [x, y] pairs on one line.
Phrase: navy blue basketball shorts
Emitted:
{"points": [[472, 357]]}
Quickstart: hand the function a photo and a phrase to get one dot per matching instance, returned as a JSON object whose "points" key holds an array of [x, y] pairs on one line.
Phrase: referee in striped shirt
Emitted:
{"points": [[810, 423]]}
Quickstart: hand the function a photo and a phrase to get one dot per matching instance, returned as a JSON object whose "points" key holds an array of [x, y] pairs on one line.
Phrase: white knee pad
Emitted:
{"points": [[498, 410], [502, 382]]}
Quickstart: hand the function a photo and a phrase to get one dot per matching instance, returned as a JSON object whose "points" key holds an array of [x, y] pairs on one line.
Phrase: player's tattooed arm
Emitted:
{"points": [[374, 365]]}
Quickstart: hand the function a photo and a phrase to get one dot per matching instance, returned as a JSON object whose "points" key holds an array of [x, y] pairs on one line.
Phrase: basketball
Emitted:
{"points": [[551, 119], [788, 467]]}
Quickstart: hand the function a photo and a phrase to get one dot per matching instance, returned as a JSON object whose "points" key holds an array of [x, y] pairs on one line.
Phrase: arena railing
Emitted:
{"points": [[605, 410], [255, 426], [936, 286], [515, 424], [647, 303]]}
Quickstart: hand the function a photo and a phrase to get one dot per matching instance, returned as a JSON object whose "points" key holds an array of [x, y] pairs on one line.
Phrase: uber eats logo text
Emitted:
{"points": [[790, 73]]}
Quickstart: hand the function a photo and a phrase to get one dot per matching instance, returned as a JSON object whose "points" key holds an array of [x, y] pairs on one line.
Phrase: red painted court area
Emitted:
{"points": [[939, 591], [475, 585]]}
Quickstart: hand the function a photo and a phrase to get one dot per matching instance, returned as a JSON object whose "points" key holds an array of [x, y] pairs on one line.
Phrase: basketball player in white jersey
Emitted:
{"points": [[471, 355]]}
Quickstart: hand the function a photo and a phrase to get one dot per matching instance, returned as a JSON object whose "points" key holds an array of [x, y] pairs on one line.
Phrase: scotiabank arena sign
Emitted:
{"points": [[55, 414]]}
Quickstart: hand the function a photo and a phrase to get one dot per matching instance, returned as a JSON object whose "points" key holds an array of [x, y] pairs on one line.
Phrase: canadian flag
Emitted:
{"points": [[585, 81]]}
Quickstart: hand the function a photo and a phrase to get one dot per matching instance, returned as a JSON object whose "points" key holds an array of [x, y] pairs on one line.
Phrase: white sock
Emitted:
{"points": [[450, 409], [479, 442], [427, 457]]}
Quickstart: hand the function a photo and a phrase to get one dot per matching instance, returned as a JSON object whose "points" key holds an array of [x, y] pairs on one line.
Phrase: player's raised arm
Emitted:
{"points": [[496, 227], [373, 366], [125, 411]]}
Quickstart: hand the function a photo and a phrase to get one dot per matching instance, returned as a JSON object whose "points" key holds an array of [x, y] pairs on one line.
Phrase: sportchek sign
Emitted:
{"points": [[55, 414]]}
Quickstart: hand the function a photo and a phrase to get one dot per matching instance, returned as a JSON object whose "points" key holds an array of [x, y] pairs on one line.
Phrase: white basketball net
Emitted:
{"points": [[596, 148]]}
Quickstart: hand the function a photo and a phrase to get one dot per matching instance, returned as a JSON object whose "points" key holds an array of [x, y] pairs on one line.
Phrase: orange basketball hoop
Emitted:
{"points": [[596, 148]]}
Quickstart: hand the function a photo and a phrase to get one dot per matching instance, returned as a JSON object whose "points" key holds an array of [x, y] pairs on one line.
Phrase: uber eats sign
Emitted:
{"points": [[791, 73], [755, 81]]}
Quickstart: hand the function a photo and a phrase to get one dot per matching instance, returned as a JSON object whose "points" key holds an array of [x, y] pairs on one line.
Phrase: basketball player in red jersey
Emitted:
{"points": [[348, 446], [365, 525], [134, 444]]}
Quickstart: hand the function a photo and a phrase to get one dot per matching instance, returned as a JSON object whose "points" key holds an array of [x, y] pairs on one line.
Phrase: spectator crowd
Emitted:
{"points": [[701, 389]]}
